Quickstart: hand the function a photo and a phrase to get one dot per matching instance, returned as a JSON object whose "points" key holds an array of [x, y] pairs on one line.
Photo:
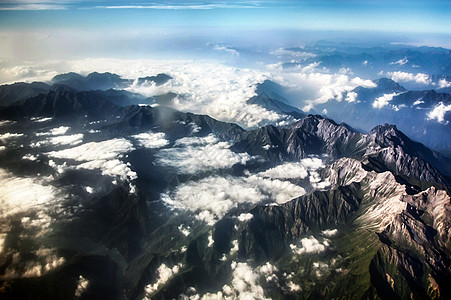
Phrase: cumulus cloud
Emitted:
{"points": [[244, 285], [164, 274], [383, 100], [217, 90], [419, 78], [330, 232], [318, 87], [214, 196], [286, 171], [192, 155], [226, 49], [73, 139], [151, 139], [439, 111], [22, 194], [400, 62], [5, 137], [185, 230], [82, 286], [418, 102], [310, 245], [100, 155], [54, 131], [442, 83], [351, 97], [245, 217]]}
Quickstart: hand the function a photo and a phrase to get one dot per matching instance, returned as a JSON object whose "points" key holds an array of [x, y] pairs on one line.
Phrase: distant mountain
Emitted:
{"points": [[269, 96], [19, 91], [391, 103], [370, 61], [94, 81], [158, 80], [103, 81]]}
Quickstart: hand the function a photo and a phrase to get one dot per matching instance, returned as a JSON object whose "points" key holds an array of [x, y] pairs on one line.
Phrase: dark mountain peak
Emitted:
{"points": [[388, 135], [67, 77], [270, 95], [388, 84], [11, 93], [103, 76], [94, 81], [384, 128], [159, 79]]}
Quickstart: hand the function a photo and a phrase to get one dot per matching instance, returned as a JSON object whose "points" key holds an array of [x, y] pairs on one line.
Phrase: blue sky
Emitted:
{"points": [[390, 16], [33, 30]]}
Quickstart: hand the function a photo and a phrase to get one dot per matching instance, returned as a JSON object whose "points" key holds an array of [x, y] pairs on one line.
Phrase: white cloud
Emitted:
{"points": [[317, 87], [175, 6], [73, 139], [439, 111], [22, 194], [330, 232], [192, 155], [5, 137], [245, 217], [82, 286], [205, 88], [54, 131], [296, 54], [211, 241], [226, 49], [235, 247], [419, 78], [33, 6], [244, 285], [351, 97], [310, 245], [383, 100], [213, 197], [41, 120], [6, 122], [164, 274], [444, 84], [418, 102], [286, 171], [400, 62], [185, 230], [100, 155], [30, 157], [151, 140]]}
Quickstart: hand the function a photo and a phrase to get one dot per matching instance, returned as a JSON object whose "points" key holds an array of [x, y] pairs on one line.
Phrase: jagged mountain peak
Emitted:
{"points": [[388, 84]]}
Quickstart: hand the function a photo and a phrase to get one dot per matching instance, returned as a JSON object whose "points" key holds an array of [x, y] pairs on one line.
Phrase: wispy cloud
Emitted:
{"points": [[32, 6], [181, 6]]}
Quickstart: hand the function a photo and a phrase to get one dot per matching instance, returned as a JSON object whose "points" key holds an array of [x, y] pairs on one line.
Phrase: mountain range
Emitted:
{"points": [[108, 194]]}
